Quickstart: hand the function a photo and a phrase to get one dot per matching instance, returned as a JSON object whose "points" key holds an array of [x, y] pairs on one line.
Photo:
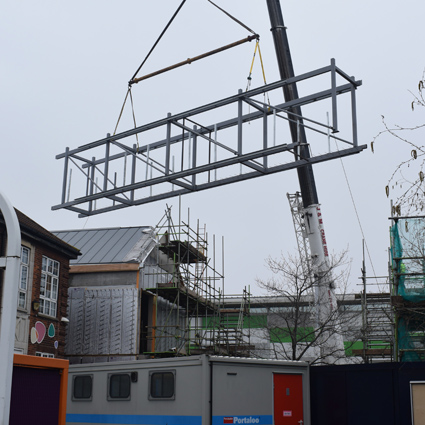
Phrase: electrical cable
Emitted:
{"points": [[357, 215]]}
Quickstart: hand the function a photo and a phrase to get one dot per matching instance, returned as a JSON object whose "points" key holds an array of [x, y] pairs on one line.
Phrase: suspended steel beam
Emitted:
{"points": [[114, 174]]}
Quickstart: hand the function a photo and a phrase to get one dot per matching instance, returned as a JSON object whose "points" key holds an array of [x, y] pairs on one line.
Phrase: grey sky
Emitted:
{"points": [[64, 73]]}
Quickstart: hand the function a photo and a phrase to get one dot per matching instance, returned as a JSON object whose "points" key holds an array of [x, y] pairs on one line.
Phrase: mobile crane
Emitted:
{"points": [[332, 346]]}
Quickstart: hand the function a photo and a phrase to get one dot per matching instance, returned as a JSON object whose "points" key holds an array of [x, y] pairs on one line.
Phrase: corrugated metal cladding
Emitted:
{"points": [[170, 323], [109, 245], [104, 321]]}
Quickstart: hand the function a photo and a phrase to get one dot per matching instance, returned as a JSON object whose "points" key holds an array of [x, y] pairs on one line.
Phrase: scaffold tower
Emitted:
{"points": [[408, 286], [190, 313]]}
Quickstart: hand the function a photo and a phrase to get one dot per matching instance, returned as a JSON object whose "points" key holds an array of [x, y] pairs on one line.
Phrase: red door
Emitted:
{"points": [[288, 399]]}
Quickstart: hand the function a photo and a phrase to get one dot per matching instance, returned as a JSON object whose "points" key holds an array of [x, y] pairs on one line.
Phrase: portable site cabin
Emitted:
{"points": [[193, 390]]}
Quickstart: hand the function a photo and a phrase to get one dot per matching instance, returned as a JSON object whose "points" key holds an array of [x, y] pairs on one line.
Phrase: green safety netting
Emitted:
{"points": [[408, 261], [406, 341], [408, 266]]}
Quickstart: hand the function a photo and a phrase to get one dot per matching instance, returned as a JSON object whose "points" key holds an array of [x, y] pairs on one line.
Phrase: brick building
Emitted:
{"points": [[42, 289]]}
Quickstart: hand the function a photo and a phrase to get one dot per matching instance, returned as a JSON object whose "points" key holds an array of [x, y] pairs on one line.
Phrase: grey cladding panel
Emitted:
{"points": [[141, 249], [90, 328], [102, 321], [129, 318], [103, 279], [170, 326], [75, 328], [116, 321], [104, 315]]}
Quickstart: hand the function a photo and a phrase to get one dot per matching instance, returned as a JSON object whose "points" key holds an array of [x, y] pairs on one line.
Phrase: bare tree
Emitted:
{"points": [[291, 321], [407, 179], [407, 185]]}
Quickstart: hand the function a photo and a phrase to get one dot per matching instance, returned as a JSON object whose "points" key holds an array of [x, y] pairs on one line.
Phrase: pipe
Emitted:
{"points": [[9, 300], [196, 58]]}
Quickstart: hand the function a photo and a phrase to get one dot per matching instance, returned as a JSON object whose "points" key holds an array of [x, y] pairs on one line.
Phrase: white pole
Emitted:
{"points": [[11, 264], [215, 150]]}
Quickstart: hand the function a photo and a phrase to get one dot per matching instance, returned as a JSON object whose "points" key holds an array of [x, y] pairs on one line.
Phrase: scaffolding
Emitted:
{"points": [[189, 311], [377, 331], [408, 286]]}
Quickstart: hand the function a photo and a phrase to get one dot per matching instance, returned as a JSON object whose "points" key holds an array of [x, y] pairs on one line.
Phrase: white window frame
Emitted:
{"points": [[40, 354], [24, 273], [49, 287]]}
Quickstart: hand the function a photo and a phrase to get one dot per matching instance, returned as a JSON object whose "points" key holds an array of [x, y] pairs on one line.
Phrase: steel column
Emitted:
{"points": [[9, 302]]}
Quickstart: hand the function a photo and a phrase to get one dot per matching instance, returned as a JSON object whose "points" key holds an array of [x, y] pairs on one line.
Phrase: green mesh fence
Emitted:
{"points": [[406, 342], [408, 249], [408, 265]]}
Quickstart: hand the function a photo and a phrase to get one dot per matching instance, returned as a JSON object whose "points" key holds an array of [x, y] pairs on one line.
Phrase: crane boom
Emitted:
{"points": [[332, 346]]}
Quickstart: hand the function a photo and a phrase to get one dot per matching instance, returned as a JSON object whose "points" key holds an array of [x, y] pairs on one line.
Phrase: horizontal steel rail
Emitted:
{"points": [[194, 173]]}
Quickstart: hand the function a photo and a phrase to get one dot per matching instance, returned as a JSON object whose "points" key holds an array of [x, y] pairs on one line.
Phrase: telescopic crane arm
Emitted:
{"points": [[325, 298]]}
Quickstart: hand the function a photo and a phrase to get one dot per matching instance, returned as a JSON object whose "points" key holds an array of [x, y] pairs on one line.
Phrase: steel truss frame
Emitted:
{"points": [[200, 170], [297, 210]]}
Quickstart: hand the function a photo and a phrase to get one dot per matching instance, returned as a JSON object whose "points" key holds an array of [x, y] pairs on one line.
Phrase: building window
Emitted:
{"points": [[49, 286], [119, 386], [40, 354], [23, 277], [162, 385], [82, 387]]}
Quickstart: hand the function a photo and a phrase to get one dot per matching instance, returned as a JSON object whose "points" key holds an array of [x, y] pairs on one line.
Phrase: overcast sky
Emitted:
{"points": [[64, 73]]}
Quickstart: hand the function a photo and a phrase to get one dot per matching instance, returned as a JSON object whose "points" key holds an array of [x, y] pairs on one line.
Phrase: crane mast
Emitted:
{"points": [[332, 346], [297, 211]]}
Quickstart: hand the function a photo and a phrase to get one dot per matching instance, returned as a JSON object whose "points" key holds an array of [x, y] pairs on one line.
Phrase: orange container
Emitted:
{"points": [[39, 390]]}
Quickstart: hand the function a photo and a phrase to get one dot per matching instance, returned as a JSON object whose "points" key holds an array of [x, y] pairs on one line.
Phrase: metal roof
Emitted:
{"points": [[109, 245], [31, 229]]}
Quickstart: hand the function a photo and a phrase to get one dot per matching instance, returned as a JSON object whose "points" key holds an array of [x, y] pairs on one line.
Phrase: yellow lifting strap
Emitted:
{"points": [[261, 61], [257, 47], [248, 84], [132, 110]]}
